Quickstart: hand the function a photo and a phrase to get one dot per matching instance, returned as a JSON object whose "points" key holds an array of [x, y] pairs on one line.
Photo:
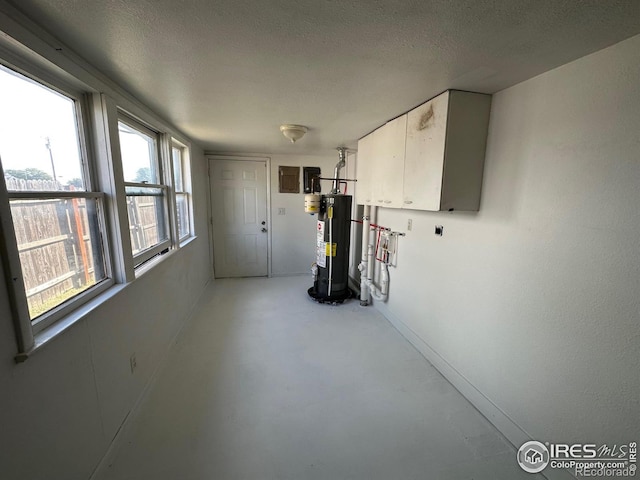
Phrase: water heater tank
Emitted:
{"points": [[332, 254]]}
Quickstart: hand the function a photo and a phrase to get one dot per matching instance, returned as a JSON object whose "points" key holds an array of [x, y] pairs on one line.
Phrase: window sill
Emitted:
{"points": [[143, 268], [187, 241], [153, 261], [43, 337]]}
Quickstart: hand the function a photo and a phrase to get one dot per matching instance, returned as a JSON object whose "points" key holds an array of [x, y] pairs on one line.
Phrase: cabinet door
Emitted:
{"points": [[424, 159], [467, 129], [364, 186], [388, 170], [376, 167]]}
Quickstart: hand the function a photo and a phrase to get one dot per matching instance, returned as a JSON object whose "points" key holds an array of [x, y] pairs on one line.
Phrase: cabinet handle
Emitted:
{"points": [[408, 202], [380, 201], [387, 201]]}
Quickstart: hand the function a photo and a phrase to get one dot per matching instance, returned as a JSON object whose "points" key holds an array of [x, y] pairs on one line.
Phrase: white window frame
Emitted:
{"points": [[145, 255], [101, 102], [26, 328], [185, 170]]}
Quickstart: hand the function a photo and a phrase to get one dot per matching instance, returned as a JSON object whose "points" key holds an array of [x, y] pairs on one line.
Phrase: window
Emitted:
{"points": [[55, 239], [180, 177], [145, 190], [60, 249]]}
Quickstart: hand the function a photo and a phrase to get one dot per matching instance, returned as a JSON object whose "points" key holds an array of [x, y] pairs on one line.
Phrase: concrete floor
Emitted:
{"points": [[265, 384]]}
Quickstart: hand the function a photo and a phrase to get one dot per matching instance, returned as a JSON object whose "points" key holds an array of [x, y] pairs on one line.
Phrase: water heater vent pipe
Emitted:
{"points": [[342, 153]]}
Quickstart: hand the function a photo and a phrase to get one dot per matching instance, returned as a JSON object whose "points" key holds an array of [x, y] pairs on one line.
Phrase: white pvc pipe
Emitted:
{"points": [[370, 264], [366, 226], [367, 286], [381, 293]]}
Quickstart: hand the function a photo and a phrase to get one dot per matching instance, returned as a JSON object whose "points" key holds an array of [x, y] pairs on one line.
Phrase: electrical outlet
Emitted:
{"points": [[409, 224], [281, 211], [132, 362]]}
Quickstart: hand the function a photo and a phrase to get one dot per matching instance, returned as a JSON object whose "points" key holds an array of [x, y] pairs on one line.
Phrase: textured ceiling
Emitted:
{"points": [[229, 72]]}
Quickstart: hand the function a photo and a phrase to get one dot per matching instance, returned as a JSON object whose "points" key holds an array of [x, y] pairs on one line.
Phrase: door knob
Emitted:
{"points": [[264, 230], [264, 223]]}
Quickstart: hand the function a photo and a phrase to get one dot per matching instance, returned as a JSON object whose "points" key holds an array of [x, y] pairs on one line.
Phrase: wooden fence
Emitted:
{"points": [[55, 247], [54, 236], [144, 221]]}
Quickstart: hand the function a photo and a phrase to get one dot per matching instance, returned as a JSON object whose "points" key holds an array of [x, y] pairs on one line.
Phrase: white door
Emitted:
{"points": [[239, 213]]}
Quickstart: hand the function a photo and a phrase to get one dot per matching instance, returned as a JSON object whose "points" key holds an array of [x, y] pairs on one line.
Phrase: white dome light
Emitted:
{"points": [[293, 132]]}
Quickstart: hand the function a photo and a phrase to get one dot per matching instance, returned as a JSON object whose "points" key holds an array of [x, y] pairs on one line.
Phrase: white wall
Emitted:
{"points": [[293, 240], [535, 299], [60, 409]]}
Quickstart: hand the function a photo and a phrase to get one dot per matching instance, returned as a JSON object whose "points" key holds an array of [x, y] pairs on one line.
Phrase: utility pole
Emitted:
{"points": [[53, 166]]}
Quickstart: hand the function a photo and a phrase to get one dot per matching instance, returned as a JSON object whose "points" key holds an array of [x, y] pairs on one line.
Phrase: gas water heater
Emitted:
{"points": [[333, 231]]}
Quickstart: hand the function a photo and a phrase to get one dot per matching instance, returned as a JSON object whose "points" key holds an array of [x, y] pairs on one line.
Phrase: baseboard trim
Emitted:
{"points": [[293, 274], [116, 442], [506, 425]]}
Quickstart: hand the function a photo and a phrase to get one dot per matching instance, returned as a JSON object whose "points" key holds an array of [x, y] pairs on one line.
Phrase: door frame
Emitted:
{"points": [[213, 157]]}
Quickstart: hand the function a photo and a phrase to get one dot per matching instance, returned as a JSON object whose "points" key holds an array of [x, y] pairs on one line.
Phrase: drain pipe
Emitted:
{"points": [[366, 226], [378, 293], [381, 293], [342, 153], [367, 286], [371, 262]]}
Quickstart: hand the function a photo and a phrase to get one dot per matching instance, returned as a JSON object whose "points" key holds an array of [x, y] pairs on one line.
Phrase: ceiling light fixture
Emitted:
{"points": [[293, 132]]}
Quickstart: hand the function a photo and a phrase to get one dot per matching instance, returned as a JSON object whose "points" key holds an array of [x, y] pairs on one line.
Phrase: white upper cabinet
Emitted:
{"points": [[380, 165], [424, 159], [364, 160], [430, 158], [388, 169]]}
